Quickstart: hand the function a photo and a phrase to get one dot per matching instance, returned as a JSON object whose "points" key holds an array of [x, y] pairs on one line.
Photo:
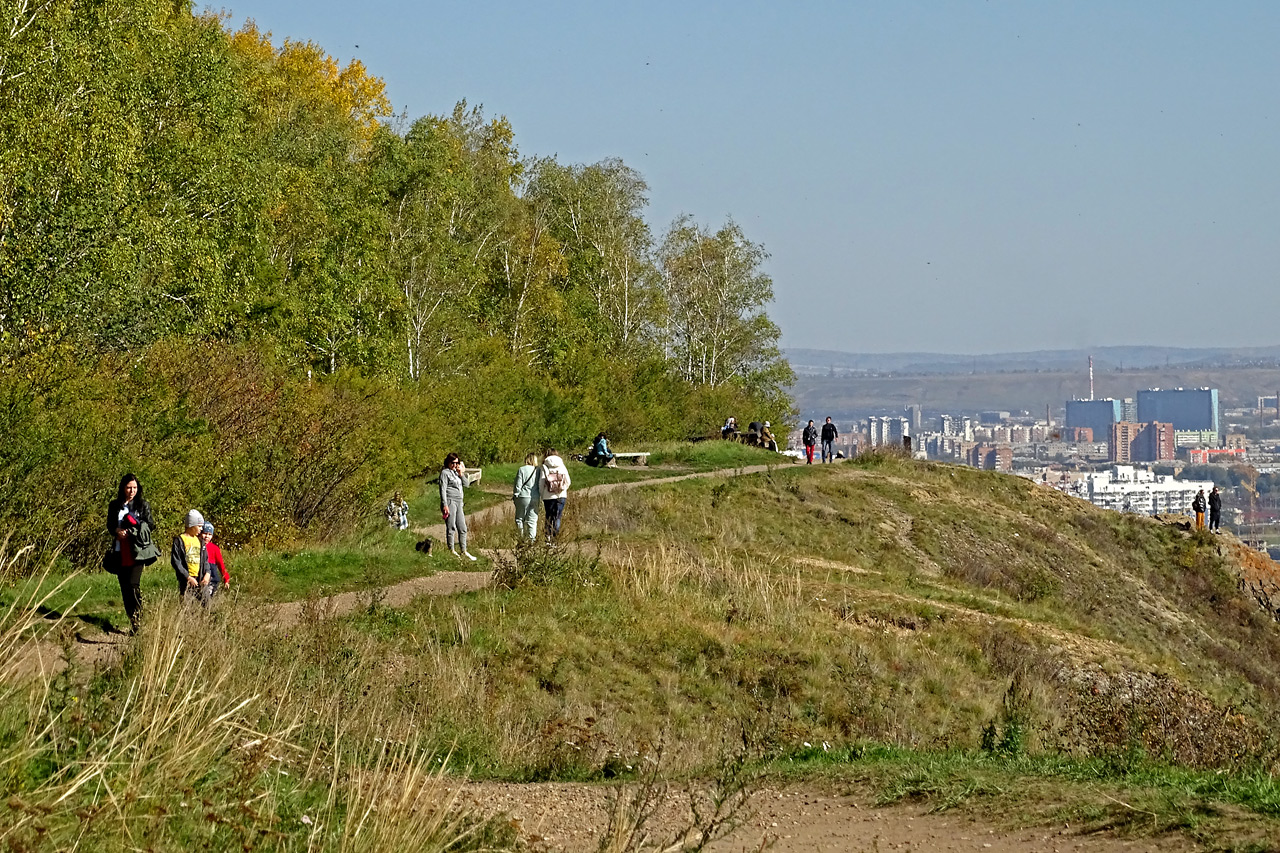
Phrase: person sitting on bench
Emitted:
{"points": [[730, 430], [600, 457], [767, 441]]}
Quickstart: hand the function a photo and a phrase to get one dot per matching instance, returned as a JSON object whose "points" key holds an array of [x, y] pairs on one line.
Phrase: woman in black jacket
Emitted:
{"points": [[125, 517]]}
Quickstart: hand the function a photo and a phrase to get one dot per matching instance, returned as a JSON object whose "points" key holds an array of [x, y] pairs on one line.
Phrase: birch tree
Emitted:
{"points": [[596, 212], [717, 331]]}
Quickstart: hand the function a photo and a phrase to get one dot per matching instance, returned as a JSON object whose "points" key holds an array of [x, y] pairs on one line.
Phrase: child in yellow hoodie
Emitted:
{"points": [[188, 557]]}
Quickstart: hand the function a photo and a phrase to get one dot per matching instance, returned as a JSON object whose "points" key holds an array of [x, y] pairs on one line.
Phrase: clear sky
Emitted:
{"points": [[939, 176]]}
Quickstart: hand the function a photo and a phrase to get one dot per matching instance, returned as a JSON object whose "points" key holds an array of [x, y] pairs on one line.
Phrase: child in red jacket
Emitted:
{"points": [[218, 568]]}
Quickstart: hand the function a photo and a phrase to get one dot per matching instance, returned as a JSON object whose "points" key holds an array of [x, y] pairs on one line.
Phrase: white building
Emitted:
{"points": [[886, 431], [1128, 489]]}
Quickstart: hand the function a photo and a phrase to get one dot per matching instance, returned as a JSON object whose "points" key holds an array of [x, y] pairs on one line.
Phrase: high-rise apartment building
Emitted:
{"points": [[991, 457], [1132, 442], [1155, 443], [1120, 441]]}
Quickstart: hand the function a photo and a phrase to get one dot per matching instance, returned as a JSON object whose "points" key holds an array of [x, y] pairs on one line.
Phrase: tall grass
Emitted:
{"points": [[179, 745]]}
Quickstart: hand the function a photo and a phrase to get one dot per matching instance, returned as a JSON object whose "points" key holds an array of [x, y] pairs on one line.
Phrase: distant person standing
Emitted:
{"points": [[1215, 510], [455, 519], [1198, 506], [810, 438], [829, 435], [553, 484], [525, 496]]}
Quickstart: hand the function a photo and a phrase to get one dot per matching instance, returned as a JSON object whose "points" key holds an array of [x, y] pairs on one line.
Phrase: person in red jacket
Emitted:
{"points": [[217, 567]]}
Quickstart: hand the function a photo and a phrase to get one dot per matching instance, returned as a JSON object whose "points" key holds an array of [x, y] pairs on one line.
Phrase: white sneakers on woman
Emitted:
{"points": [[467, 554]]}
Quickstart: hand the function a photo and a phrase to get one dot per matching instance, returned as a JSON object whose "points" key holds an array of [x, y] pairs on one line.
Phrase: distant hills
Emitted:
{"points": [[820, 362]]}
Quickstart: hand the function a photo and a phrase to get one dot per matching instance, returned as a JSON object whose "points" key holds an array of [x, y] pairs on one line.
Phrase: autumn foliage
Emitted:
{"points": [[226, 265]]}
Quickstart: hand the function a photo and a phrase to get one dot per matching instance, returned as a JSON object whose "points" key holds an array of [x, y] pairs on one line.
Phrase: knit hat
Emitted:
{"points": [[208, 528], [195, 519]]}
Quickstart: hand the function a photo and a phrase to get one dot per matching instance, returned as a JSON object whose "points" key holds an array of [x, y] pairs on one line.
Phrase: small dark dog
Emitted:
{"points": [[424, 546]]}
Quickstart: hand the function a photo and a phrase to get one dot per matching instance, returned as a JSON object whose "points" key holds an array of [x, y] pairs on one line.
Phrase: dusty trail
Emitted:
{"points": [[452, 582], [803, 817]]}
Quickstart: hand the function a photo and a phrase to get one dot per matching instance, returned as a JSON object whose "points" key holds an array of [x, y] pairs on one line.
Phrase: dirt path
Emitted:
{"points": [[452, 582], [506, 510], [804, 817]]}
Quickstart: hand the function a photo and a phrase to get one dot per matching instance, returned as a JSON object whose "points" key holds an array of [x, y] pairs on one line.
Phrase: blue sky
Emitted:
{"points": [[945, 176]]}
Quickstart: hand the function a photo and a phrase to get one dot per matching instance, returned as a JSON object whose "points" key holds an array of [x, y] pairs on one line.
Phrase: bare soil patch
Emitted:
{"points": [[807, 817]]}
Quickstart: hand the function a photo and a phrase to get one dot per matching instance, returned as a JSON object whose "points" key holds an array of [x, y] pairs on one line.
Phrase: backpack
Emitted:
{"points": [[556, 479]]}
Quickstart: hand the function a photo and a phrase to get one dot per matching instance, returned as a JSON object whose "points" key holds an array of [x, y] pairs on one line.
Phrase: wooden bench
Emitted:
{"points": [[471, 476], [636, 458]]}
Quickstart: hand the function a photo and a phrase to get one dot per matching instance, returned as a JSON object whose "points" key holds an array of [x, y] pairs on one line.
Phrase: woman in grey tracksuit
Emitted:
{"points": [[455, 521], [524, 493]]}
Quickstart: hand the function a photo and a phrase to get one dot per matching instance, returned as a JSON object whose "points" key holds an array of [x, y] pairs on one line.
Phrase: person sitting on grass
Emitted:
{"points": [[398, 512], [600, 456]]}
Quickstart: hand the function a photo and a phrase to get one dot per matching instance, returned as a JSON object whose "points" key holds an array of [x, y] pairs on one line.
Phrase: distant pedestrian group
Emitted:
{"points": [[810, 437], [1213, 504]]}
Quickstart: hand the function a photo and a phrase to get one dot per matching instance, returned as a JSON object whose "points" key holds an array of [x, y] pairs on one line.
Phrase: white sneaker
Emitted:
{"points": [[469, 556]]}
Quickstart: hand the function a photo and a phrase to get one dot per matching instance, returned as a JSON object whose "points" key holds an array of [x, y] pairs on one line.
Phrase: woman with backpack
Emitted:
{"points": [[130, 524], [553, 484], [524, 494], [455, 520]]}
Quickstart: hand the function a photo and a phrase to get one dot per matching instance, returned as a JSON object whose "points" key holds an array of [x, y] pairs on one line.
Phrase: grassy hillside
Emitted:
{"points": [[930, 630]]}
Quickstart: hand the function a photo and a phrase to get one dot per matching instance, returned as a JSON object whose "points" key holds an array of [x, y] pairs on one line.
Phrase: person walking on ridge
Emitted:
{"points": [[829, 435], [1215, 510], [218, 574], [810, 438], [190, 560], [1198, 506], [553, 485], [133, 548], [455, 519], [525, 496]]}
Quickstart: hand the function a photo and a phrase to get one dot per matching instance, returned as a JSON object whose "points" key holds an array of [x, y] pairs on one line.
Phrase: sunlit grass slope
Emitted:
{"points": [[968, 631]]}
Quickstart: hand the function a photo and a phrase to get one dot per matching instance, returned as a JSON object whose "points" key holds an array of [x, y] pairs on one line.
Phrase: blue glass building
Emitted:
{"points": [[1097, 415], [1186, 408]]}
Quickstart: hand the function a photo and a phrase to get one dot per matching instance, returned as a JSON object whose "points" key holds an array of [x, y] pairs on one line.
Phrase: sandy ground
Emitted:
{"points": [[572, 817]]}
